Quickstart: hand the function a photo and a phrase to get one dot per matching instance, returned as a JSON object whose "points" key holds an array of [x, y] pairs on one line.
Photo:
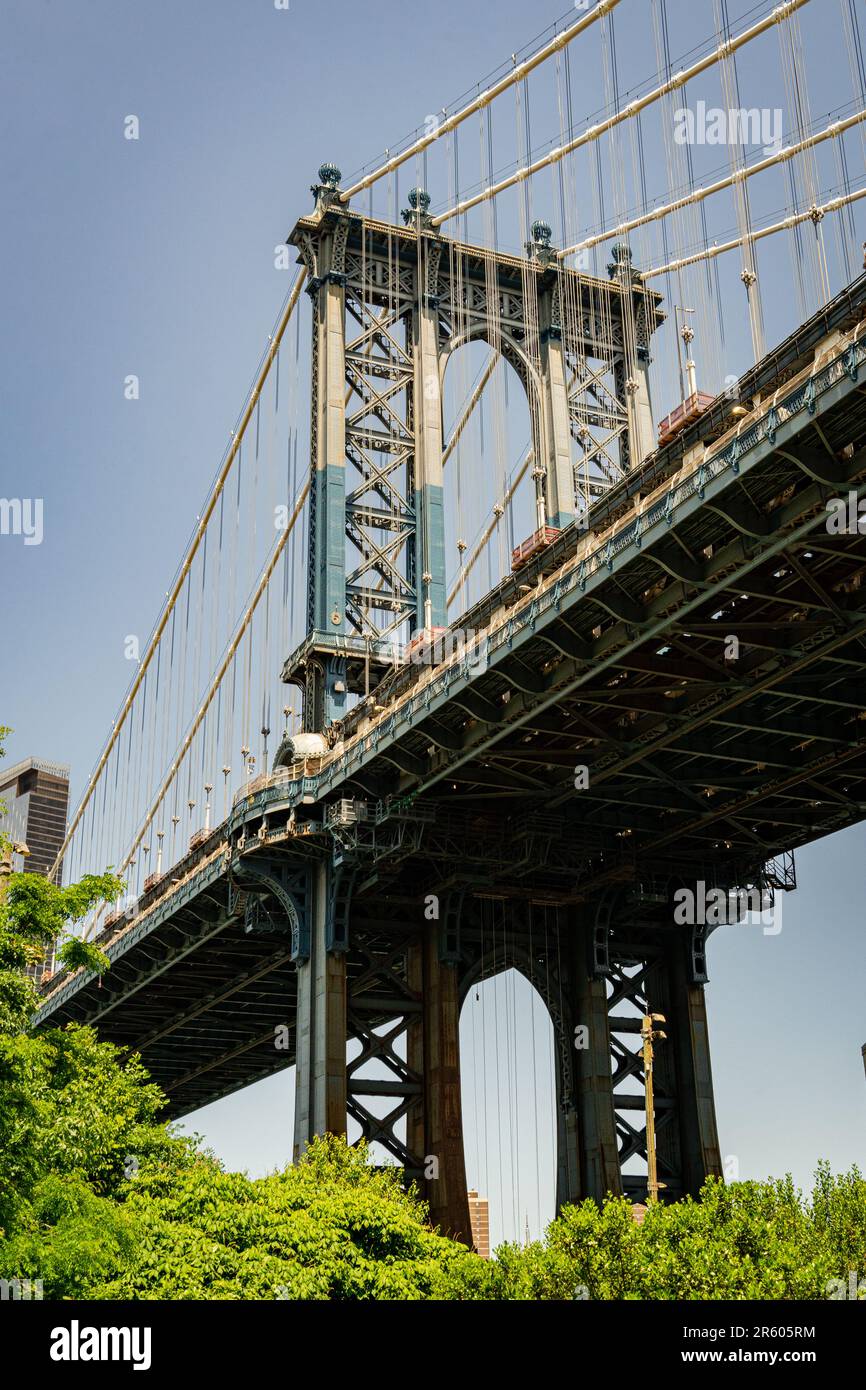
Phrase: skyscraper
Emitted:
{"points": [[36, 795]]}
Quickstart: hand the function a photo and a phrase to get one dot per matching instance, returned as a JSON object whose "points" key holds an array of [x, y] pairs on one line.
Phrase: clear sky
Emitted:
{"points": [[156, 257]]}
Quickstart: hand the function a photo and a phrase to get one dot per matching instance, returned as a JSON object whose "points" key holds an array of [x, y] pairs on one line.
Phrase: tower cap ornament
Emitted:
{"points": [[326, 191], [417, 212], [539, 248], [620, 263], [621, 253], [541, 233], [330, 175]]}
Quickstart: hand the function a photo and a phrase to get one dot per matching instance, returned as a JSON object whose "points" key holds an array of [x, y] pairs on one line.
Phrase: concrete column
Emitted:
{"points": [[320, 1087], [429, 509]]}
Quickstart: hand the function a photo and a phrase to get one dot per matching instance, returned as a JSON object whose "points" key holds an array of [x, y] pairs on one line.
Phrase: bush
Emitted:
{"points": [[747, 1240]]}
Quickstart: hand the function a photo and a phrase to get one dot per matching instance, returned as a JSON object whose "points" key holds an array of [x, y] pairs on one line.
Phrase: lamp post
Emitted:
{"points": [[648, 1033]]}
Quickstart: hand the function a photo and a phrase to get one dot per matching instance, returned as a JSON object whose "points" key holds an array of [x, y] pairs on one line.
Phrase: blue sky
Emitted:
{"points": [[156, 257]]}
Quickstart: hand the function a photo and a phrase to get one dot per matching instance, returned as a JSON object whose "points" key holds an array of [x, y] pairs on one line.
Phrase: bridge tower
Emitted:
{"points": [[389, 304]]}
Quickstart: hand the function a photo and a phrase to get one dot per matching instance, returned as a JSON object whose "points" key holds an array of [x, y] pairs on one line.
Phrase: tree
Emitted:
{"points": [[71, 1108], [332, 1227], [34, 915]]}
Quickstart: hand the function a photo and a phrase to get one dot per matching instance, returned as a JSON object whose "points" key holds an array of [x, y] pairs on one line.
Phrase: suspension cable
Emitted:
{"points": [[171, 600], [698, 194], [559, 41], [814, 213], [228, 657], [594, 132]]}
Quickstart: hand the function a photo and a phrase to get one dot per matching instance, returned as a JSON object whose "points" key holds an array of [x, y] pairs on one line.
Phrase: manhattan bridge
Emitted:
{"points": [[528, 594]]}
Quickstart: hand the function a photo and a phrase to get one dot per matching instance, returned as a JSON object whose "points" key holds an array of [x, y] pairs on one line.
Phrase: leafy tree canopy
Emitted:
{"points": [[746, 1240]]}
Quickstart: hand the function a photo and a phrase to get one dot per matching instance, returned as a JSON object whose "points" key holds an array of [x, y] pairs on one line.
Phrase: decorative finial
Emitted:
{"points": [[330, 175], [539, 248], [541, 233], [620, 265], [418, 211], [325, 191]]}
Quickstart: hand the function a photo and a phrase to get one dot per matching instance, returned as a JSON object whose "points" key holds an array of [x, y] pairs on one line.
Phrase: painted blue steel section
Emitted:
{"points": [[330, 548], [430, 553]]}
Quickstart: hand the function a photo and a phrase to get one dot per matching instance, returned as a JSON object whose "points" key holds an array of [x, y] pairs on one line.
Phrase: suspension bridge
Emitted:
{"points": [[428, 702]]}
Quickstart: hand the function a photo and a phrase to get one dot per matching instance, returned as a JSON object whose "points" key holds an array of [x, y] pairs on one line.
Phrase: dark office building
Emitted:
{"points": [[36, 795]]}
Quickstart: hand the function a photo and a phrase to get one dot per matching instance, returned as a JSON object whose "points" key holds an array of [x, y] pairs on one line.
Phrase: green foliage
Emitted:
{"points": [[17, 997], [333, 1227], [72, 1238], [72, 1107], [34, 914], [38, 912], [839, 1215], [745, 1240], [76, 954]]}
